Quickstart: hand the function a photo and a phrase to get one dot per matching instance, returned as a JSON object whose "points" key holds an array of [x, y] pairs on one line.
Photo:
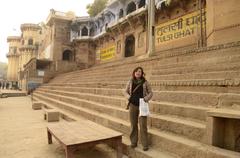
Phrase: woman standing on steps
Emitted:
{"points": [[138, 87]]}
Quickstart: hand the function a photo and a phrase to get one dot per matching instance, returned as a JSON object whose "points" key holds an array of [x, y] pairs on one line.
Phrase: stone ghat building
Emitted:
{"points": [[122, 30], [190, 51]]}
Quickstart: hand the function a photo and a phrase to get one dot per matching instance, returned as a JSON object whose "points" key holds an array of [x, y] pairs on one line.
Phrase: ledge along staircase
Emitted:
{"points": [[186, 85]]}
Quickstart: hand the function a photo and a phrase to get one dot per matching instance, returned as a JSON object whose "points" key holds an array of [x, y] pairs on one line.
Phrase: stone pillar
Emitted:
{"points": [[80, 31], [137, 5], [88, 31], [151, 27], [223, 21], [9, 69]]}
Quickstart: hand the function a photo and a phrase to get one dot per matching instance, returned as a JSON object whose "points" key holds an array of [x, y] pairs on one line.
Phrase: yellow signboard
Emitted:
{"points": [[180, 28], [107, 53]]}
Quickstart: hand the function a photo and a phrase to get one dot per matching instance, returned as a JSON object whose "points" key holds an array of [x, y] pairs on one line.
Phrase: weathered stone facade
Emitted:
{"points": [[194, 72], [13, 62], [121, 31]]}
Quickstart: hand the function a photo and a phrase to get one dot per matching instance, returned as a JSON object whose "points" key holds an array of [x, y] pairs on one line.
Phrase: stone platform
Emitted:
{"points": [[23, 134], [12, 93]]}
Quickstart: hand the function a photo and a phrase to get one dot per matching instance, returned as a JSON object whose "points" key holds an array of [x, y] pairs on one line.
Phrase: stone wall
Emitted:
{"points": [[223, 21]]}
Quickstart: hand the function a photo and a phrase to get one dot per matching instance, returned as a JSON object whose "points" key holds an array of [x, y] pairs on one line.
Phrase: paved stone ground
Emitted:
{"points": [[10, 91], [23, 134]]}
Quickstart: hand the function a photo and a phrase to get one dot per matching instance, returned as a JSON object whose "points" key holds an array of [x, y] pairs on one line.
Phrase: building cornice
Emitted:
{"points": [[29, 26], [11, 55], [27, 48], [13, 39]]}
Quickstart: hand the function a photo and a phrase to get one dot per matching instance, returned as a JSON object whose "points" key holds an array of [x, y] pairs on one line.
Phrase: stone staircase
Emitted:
{"points": [[186, 85]]}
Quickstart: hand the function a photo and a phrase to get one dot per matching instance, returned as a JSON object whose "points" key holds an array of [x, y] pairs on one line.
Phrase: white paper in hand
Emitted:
{"points": [[143, 108]]}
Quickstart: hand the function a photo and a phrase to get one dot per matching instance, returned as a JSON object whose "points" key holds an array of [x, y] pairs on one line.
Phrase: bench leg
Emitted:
{"points": [[49, 137], [69, 152], [119, 147]]}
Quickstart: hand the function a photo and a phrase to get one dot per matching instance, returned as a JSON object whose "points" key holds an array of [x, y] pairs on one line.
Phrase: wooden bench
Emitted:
{"points": [[82, 134], [223, 129]]}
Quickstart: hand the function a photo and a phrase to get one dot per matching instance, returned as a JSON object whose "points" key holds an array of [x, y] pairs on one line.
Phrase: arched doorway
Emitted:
{"points": [[131, 7], [67, 55], [84, 31], [142, 3], [120, 15], [130, 46], [30, 42]]}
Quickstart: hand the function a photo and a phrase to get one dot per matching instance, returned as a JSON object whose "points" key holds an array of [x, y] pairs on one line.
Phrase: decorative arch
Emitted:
{"points": [[84, 31], [142, 3], [121, 13], [131, 7]]}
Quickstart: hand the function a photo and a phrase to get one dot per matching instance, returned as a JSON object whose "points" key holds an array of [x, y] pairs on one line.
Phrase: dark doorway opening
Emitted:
{"points": [[121, 13], [85, 31], [130, 46], [131, 7], [142, 3]]}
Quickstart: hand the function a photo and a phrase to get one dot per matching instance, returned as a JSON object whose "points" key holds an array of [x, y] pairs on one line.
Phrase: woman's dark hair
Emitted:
{"points": [[135, 70]]}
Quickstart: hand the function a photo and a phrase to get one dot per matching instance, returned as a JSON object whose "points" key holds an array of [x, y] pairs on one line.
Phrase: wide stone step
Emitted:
{"points": [[190, 111], [184, 110], [197, 68], [137, 152], [177, 125], [205, 99], [196, 61], [109, 73], [157, 84], [120, 71], [105, 74], [118, 85], [183, 147], [222, 56], [100, 91], [82, 77], [99, 80], [235, 82], [204, 75], [117, 89]]}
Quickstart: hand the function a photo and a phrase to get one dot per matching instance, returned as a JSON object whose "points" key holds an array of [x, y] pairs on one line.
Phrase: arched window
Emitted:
{"points": [[84, 31], [92, 31], [15, 50], [120, 13], [106, 25], [142, 3], [67, 55], [30, 42], [131, 7]]}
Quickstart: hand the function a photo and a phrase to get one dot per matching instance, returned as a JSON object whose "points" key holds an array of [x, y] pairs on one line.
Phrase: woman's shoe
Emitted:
{"points": [[145, 149], [133, 145]]}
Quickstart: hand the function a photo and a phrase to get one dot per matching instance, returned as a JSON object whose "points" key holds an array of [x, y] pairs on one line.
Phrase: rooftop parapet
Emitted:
{"points": [[59, 15], [29, 26], [13, 39]]}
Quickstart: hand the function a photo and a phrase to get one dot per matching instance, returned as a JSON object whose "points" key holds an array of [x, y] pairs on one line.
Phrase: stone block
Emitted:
{"points": [[37, 105], [52, 115]]}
